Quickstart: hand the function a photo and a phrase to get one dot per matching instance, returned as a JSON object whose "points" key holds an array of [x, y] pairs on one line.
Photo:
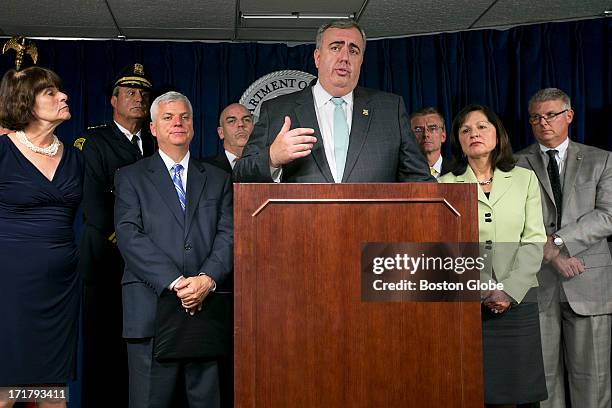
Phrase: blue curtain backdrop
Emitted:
{"points": [[501, 69]]}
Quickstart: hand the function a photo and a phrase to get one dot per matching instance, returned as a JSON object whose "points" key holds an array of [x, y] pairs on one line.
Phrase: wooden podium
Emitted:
{"points": [[303, 335]]}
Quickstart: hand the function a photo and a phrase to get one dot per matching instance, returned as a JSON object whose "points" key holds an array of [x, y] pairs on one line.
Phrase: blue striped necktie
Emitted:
{"points": [[341, 136], [178, 184]]}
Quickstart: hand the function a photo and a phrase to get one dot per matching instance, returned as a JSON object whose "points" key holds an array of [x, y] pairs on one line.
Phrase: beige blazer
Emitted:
{"points": [[585, 225]]}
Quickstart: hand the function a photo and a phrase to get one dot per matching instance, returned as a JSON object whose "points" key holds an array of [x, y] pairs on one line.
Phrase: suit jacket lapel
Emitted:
{"points": [[573, 162], [307, 117], [195, 187], [536, 160], [359, 130], [224, 162], [148, 143], [160, 178], [501, 183], [469, 177]]}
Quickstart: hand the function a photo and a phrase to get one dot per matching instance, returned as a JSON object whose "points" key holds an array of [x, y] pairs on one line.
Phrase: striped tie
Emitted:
{"points": [[178, 184]]}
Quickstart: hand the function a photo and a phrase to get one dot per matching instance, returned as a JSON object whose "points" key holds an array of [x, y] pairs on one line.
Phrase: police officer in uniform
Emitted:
{"points": [[105, 149]]}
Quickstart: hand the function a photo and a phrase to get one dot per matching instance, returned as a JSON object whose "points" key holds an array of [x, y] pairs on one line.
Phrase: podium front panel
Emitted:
{"points": [[303, 335]]}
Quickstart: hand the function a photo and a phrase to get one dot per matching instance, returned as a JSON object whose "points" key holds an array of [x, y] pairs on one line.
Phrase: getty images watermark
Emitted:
{"points": [[430, 272]]}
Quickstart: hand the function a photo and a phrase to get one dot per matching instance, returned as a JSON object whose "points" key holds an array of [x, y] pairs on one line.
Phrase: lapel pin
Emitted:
{"points": [[365, 112]]}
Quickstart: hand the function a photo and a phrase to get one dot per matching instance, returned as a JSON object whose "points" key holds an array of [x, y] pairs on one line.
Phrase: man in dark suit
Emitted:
{"points": [[428, 127], [105, 149], [173, 218], [575, 292], [334, 131], [235, 128]]}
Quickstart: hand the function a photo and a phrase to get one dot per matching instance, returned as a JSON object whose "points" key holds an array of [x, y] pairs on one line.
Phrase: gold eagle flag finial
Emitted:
{"points": [[21, 47]]}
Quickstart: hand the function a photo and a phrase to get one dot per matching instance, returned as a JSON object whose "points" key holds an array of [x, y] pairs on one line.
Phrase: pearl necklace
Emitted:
{"points": [[485, 182], [50, 150]]}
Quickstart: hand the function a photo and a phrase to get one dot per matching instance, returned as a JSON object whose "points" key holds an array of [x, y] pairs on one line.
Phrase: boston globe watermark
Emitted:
{"points": [[428, 272]]}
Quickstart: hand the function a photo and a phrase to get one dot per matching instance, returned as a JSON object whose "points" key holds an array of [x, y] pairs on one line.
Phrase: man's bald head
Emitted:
{"points": [[235, 127]]}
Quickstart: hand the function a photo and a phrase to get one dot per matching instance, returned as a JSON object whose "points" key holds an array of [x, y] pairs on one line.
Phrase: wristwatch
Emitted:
{"points": [[558, 241]]}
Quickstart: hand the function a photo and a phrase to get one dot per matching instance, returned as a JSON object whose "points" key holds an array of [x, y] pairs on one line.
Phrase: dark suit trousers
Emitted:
{"points": [[153, 384]]}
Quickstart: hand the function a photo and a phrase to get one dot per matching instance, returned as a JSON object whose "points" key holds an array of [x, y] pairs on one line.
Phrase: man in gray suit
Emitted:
{"points": [[575, 294], [173, 218], [334, 131]]}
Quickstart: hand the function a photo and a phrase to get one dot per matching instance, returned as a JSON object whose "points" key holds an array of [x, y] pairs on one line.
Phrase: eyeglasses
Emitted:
{"points": [[433, 129], [548, 117]]}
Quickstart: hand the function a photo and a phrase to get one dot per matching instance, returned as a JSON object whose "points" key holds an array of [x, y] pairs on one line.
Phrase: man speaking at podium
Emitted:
{"points": [[334, 131]]}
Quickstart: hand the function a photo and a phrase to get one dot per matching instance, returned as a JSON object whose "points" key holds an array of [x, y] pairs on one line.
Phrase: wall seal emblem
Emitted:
{"points": [[272, 85]]}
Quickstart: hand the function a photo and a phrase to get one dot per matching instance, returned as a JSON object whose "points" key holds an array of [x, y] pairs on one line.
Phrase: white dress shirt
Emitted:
{"points": [[129, 135], [560, 156], [324, 108], [231, 157], [438, 166], [169, 163]]}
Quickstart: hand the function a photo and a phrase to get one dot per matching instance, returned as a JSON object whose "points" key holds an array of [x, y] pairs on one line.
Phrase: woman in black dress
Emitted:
{"points": [[40, 190]]}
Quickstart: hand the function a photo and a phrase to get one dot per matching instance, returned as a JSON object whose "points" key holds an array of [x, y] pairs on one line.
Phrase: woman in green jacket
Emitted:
{"points": [[511, 232]]}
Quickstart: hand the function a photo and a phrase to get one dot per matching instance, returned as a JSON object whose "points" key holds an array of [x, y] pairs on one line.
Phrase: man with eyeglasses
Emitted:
{"points": [[575, 293], [428, 127]]}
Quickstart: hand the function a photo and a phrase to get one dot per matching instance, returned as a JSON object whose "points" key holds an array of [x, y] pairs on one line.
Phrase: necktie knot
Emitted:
{"points": [[552, 153], [177, 168], [337, 101]]}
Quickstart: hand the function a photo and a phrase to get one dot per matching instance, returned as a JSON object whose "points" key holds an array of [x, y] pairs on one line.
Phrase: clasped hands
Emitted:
{"points": [[567, 266], [497, 301], [291, 144], [192, 291]]}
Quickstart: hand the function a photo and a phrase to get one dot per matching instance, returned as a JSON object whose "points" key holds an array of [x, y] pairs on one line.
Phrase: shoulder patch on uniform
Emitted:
{"points": [[79, 143], [98, 126]]}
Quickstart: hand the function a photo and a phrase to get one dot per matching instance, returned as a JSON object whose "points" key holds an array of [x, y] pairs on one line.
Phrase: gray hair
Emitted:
{"points": [[342, 24], [430, 110], [551, 94], [171, 96]]}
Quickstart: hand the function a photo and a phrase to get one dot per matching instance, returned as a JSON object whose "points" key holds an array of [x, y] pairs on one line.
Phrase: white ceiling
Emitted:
{"points": [[220, 20]]}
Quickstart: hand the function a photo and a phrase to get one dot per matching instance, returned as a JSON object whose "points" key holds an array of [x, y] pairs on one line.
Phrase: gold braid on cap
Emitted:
{"points": [[133, 80]]}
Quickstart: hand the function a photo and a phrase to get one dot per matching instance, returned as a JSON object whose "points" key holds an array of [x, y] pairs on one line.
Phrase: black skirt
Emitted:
{"points": [[512, 354]]}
